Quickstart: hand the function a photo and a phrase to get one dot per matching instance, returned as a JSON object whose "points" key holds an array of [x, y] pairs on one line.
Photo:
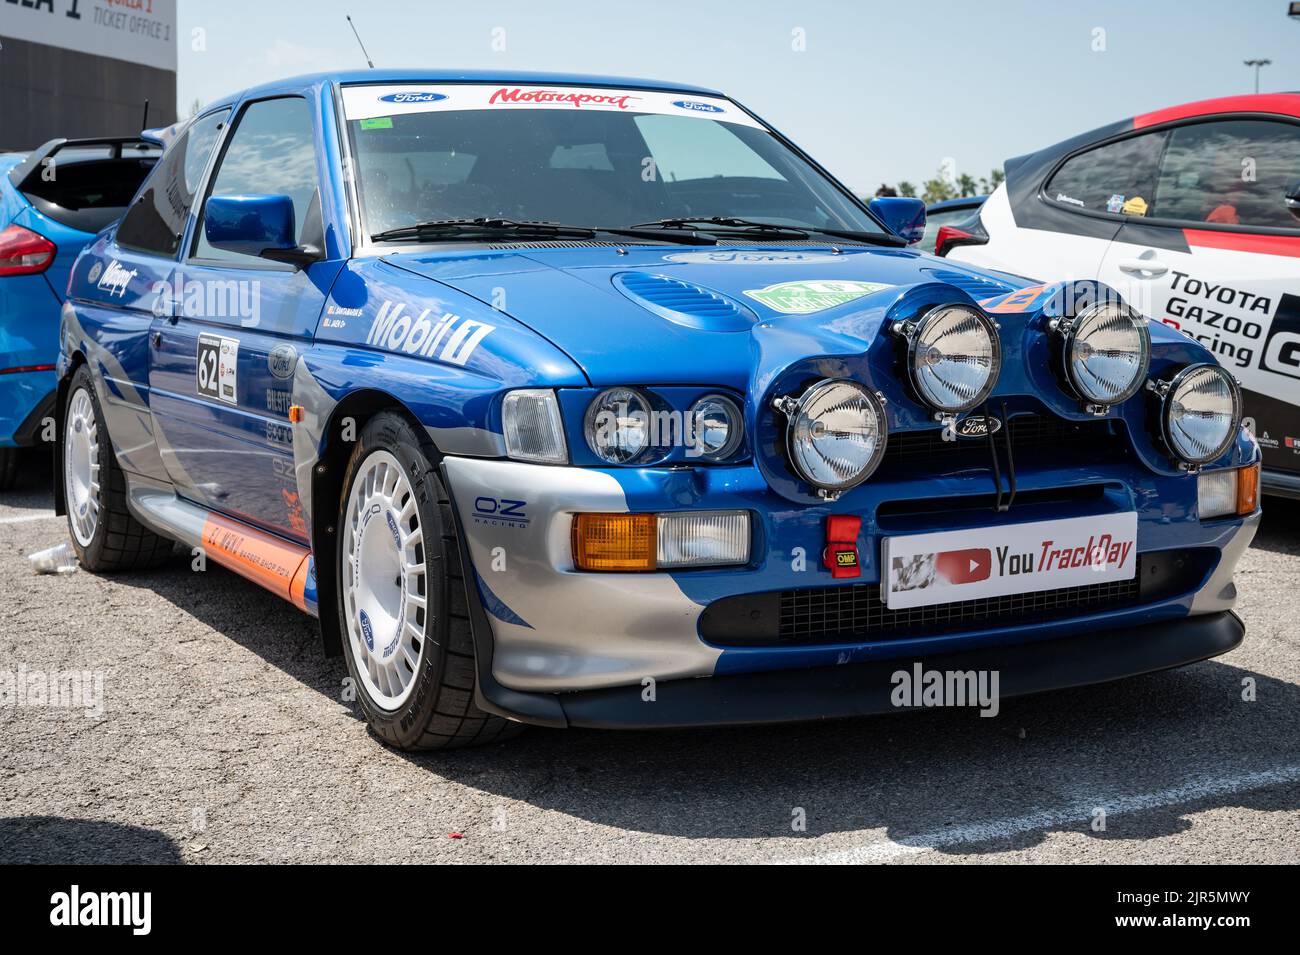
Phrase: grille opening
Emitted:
{"points": [[892, 513], [1031, 435], [854, 613]]}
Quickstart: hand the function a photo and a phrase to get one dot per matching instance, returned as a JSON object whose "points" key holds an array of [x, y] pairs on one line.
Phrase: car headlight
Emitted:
{"points": [[618, 425], [1201, 413], [716, 427], [1107, 350], [533, 428], [953, 356], [835, 435]]}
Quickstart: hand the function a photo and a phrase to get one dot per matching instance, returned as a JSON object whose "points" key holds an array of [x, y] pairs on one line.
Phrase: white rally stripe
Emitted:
{"points": [[1076, 814], [29, 517]]}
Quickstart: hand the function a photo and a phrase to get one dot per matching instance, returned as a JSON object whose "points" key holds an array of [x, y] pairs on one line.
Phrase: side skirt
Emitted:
{"points": [[283, 567]]}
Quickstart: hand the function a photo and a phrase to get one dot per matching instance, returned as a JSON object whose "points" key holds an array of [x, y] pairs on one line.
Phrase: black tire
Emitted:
{"points": [[8, 467], [119, 541], [440, 711]]}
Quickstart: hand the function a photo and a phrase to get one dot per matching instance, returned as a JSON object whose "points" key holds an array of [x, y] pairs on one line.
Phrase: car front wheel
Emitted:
{"points": [[401, 596]]}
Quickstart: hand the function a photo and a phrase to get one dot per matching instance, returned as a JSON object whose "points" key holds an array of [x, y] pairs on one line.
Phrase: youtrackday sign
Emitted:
{"points": [[137, 31]]}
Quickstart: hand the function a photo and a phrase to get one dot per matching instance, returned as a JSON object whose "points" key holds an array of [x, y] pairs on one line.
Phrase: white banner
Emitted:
{"points": [[138, 31], [948, 566], [372, 102]]}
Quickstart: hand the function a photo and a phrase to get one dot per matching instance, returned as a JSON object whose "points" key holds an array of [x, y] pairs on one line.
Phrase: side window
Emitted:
{"points": [[271, 151], [1232, 172], [1119, 177], [155, 221]]}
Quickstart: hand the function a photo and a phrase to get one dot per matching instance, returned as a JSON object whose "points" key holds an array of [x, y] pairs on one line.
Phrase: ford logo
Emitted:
{"points": [[697, 107], [367, 631], [978, 426], [412, 98]]}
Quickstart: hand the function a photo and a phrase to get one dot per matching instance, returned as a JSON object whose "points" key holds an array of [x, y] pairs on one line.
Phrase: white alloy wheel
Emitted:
{"points": [[384, 588], [81, 467]]}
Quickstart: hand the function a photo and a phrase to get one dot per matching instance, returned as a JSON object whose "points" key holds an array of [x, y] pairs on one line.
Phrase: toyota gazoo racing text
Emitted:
{"points": [[580, 401]]}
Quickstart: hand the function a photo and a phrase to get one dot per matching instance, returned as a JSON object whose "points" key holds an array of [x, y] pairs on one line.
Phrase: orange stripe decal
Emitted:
{"points": [[264, 559], [1014, 302]]}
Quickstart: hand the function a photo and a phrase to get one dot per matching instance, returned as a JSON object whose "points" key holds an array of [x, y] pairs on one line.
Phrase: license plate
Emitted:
{"points": [[919, 570]]}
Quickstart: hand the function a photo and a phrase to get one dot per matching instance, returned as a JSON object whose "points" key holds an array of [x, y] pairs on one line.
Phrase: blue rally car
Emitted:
{"points": [[578, 401]]}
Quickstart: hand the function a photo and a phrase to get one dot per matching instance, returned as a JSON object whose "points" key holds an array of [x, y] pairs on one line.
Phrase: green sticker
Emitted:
{"points": [[379, 122], [800, 298]]}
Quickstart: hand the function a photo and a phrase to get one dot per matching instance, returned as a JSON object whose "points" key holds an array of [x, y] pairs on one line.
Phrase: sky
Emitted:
{"points": [[875, 91]]}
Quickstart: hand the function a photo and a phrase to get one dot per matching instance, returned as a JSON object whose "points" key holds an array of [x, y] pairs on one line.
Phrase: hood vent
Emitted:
{"points": [[977, 287], [684, 303]]}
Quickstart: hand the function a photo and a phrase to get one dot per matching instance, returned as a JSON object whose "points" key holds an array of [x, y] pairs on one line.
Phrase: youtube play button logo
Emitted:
{"points": [[964, 566]]}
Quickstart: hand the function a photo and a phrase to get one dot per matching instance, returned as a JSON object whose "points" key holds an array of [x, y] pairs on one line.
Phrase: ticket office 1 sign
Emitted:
{"points": [[138, 31]]}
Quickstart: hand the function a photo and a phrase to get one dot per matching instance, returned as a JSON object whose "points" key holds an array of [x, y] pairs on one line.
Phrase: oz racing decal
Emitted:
{"points": [[400, 331], [217, 367], [801, 298]]}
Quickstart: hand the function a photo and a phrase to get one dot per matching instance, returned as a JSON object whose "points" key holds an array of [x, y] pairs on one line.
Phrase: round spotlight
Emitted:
{"points": [[716, 427], [618, 425], [836, 434], [953, 357], [1107, 350], [1201, 414]]}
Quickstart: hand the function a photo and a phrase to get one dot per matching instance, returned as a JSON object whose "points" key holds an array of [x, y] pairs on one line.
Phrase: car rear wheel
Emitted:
{"points": [[401, 596], [104, 534]]}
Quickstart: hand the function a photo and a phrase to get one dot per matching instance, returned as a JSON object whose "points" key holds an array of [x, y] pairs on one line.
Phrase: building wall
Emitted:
{"points": [[48, 92]]}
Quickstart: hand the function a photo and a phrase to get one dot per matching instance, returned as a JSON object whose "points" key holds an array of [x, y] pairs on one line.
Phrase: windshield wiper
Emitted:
{"points": [[493, 226], [771, 229]]}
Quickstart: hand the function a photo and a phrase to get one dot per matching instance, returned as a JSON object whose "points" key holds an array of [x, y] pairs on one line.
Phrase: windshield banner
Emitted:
{"points": [[372, 102]]}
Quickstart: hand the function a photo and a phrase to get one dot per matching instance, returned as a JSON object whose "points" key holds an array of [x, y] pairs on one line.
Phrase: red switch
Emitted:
{"points": [[841, 553]]}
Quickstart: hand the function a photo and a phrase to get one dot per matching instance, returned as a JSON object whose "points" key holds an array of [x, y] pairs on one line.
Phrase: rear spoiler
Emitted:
{"points": [[30, 168]]}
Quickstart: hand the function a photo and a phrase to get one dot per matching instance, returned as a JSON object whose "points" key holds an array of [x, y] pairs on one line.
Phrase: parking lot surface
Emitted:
{"points": [[224, 737]]}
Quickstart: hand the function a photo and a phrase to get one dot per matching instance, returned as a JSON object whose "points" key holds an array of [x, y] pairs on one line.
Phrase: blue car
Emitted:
{"points": [[52, 202], [582, 401]]}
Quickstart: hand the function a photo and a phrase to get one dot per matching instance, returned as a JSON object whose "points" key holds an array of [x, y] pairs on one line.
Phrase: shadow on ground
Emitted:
{"points": [[54, 840]]}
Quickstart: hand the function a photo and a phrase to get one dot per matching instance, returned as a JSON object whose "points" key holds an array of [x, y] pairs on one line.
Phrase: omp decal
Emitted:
{"points": [[216, 368], [1018, 301], [801, 298], [1244, 242], [264, 559], [115, 279], [398, 331], [496, 606]]}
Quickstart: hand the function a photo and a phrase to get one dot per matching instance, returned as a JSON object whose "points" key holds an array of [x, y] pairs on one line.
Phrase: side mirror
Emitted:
{"points": [[261, 226], [902, 216], [1293, 199]]}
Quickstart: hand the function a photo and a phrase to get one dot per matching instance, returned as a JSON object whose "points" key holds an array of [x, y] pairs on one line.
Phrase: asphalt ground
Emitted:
{"points": [[221, 735]]}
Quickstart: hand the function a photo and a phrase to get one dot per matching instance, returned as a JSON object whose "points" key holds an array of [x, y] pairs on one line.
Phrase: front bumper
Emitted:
{"points": [[547, 633], [868, 688]]}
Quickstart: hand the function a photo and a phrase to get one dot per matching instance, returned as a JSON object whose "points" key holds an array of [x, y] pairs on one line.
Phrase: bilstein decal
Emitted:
{"points": [[800, 298]]}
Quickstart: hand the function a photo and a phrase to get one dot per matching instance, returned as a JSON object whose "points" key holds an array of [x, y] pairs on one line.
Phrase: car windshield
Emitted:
{"points": [[577, 155]]}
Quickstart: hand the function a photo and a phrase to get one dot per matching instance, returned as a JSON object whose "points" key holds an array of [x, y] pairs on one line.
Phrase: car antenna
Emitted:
{"points": [[369, 62], [144, 121]]}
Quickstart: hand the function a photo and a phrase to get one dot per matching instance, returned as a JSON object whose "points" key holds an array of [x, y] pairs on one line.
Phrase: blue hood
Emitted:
{"points": [[688, 315]]}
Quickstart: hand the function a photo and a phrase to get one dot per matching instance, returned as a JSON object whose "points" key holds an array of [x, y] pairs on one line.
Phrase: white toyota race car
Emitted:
{"points": [[1193, 214]]}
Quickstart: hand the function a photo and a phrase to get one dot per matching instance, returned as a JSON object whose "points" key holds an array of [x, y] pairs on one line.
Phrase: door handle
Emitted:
{"points": [[1147, 268]]}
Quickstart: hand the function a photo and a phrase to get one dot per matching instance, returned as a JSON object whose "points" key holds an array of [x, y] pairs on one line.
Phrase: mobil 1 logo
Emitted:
{"points": [[216, 368]]}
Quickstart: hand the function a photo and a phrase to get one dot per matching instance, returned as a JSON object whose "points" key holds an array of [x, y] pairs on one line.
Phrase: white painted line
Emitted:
{"points": [[28, 517], [1077, 813]]}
